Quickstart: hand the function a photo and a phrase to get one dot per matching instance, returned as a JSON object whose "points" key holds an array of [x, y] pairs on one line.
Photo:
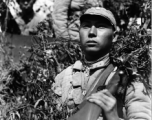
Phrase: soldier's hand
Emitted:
{"points": [[107, 102]]}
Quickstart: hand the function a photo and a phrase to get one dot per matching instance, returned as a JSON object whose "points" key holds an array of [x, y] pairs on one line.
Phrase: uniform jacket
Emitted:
{"points": [[63, 27], [72, 84]]}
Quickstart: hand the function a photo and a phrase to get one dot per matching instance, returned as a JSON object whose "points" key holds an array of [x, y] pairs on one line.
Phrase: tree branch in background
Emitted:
{"points": [[6, 18]]}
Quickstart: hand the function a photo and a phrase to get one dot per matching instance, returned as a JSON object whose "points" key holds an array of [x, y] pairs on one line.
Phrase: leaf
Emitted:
{"points": [[37, 102], [18, 115]]}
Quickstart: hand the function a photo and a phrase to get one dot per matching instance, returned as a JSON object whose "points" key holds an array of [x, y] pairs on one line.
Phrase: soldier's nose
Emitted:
{"points": [[92, 31]]}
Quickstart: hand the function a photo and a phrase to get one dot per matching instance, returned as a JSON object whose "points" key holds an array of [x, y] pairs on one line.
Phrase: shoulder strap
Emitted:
{"points": [[90, 111], [100, 80]]}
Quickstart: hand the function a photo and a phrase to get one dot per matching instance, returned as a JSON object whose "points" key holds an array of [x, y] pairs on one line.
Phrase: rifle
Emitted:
{"points": [[91, 111]]}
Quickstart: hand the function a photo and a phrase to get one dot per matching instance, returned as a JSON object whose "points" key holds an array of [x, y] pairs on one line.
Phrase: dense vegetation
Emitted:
{"points": [[25, 89]]}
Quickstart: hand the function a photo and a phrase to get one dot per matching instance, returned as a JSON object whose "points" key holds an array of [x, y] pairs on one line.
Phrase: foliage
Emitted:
{"points": [[26, 93], [25, 90], [131, 54]]}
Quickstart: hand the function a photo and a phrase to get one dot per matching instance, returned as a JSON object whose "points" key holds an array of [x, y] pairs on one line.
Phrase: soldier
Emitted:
{"points": [[97, 30]]}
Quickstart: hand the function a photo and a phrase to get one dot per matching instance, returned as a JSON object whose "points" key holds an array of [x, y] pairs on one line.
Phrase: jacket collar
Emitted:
{"points": [[102, 62]]}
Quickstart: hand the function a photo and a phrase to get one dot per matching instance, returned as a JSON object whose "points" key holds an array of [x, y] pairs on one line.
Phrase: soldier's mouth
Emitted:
{"points": [[91, 42]]}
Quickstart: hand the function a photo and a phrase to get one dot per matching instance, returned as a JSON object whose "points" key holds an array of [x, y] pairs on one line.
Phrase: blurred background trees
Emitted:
{"points": [[22, 16]]}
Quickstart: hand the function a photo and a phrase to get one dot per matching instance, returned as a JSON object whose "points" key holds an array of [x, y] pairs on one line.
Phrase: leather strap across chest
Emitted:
{"points": [[89, 111]]}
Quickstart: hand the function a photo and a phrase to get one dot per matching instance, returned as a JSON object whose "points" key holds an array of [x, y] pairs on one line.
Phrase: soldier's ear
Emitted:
{"points": [[115, 36]]}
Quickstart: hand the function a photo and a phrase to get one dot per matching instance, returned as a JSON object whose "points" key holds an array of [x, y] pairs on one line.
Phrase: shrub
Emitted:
{"points": [[25, 90]]}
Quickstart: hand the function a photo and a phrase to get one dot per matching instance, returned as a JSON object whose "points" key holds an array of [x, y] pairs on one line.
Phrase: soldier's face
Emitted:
{"points": [[96, 34]]}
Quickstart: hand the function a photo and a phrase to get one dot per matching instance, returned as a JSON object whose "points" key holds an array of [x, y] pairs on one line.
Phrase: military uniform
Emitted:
{"points": [[73, 83]]}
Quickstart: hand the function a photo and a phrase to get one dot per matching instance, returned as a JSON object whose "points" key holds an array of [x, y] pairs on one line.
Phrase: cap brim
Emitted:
{"points": [[84, 16]]}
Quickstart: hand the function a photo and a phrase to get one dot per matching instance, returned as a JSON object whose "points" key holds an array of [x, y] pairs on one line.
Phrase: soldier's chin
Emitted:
{"points": [[95, 51], [92, 51]]}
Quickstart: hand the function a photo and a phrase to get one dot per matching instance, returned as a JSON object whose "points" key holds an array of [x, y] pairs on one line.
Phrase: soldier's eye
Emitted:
{"points": [[85, 25], [100, 25]]}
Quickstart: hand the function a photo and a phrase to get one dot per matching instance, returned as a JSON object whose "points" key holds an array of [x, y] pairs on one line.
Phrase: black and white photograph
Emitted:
{"points": [[75, 60]]}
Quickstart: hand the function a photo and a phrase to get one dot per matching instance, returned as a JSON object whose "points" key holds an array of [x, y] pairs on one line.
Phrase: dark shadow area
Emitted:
{"points": [[7, 21], [27, 9]]}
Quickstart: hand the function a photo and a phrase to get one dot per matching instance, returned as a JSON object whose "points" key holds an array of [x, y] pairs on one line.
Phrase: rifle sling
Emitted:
{"points": [[99, 81]]}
